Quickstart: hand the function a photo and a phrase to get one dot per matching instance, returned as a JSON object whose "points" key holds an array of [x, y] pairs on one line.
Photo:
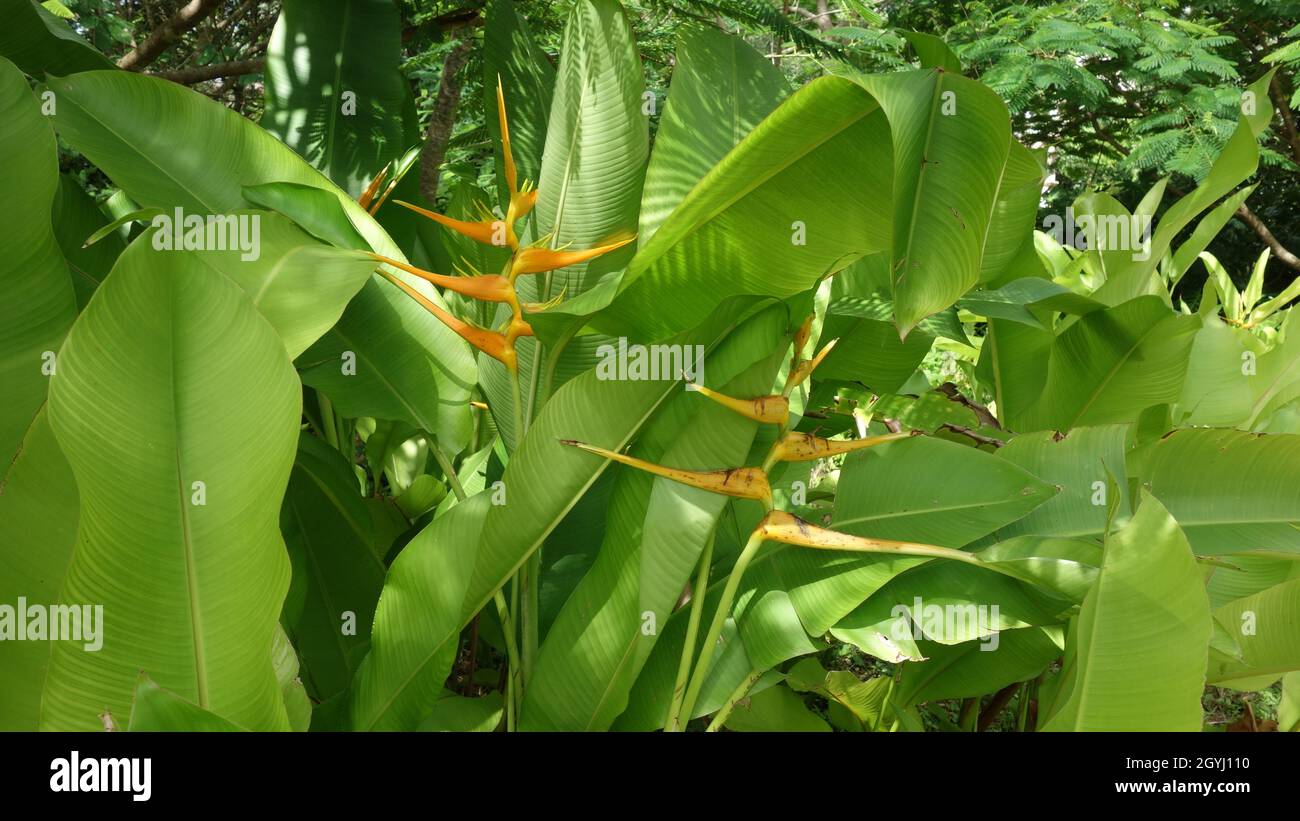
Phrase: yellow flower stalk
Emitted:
{"points": [[773, 410], [487, 287], [742, 483], [803, 447]]}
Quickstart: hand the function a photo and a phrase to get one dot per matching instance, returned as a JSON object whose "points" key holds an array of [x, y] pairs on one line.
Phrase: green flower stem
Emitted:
{"points": [[720, 717], [698, 594], [719, 619]]}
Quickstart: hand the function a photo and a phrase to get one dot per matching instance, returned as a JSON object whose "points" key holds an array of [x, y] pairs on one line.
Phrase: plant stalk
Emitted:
{"points": [[698, 594], [720, 717], [719, 619]]}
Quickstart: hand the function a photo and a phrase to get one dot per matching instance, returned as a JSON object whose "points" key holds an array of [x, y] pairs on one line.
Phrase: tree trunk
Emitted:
{"points": [[443, 119]]}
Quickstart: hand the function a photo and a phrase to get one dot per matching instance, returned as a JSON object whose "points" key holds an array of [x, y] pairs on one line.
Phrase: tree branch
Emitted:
{"points": [[442, 119], [200, 74], [1280, 252], [1283, 106], [185, 19]]}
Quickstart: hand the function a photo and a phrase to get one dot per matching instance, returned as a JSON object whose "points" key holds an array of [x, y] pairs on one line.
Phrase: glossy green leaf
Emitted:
{"points": [[155, 710], [333, 90], [1231, 492], [178, 540], [777, 709], [888, 492], [416, 629], [527, 77], [39, 42], [797, 177], [977, 668], [721, 88], [1136, 653], [597, 142], [1111, 365], [951, 137], [337, 574], [1266, 626]]}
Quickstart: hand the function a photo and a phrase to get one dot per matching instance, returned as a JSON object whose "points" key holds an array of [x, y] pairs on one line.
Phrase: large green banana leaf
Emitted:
{"points": [[38, 499], [1266, 626], [1231, 492], [180, 478], [722, 87], [39, 42], [416, 629], [130, 126], [1136, 653], [888, 492], [1111, 365], [40, 305], [951, 137], [333, 90], [1078, 464], [597, 142], [810, 172], [977, 668]]}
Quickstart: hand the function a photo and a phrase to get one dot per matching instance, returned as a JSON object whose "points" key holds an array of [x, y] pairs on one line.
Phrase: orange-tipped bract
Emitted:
{"points": [[538, 260], [491, 343], [488, 232], [742, 483], [487, 287], [802, 370]]}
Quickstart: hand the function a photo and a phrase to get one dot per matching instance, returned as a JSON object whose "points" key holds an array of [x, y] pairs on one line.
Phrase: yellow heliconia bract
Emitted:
{"points": [[742, 483], [803, 369], [779, 526], [774, 410], [802, 447]]}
